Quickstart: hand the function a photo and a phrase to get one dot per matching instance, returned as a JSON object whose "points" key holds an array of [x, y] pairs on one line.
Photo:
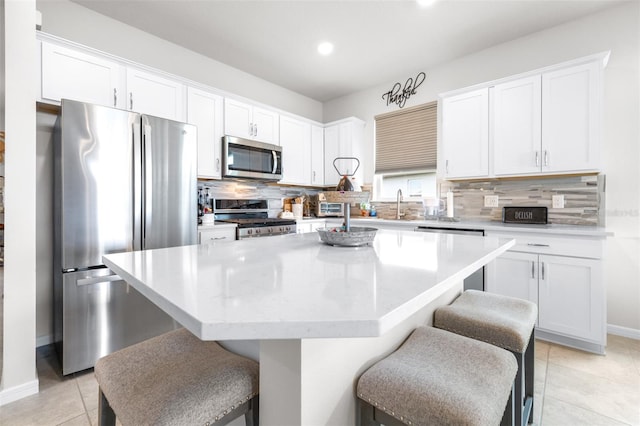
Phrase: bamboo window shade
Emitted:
{"points": [[406, 140]]}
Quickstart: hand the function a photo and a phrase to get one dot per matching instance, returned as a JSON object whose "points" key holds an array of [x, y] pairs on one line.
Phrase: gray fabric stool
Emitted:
{"points": [[438, 378], [503, 321], [176, 379]]}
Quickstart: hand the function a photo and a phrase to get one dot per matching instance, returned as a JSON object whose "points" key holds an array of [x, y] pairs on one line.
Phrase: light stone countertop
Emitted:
{"points": [[295, 287], [550, 229]]}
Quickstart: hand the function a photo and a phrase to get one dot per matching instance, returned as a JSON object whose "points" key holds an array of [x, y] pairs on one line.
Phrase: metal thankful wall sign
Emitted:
{"points": [[399, 95]]}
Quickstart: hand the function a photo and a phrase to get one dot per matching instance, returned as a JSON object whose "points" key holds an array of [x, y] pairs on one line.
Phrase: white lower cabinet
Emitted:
{"points": [[514, 275], [303, 227], [569, 290], [571, 296], [210, 236]]}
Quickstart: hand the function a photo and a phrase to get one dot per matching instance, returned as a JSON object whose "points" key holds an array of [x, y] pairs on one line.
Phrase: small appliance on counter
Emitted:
{"points": [[325, 208]]}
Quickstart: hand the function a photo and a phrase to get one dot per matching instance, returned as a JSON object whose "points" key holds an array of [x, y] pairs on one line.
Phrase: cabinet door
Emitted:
{"points": [[266, 125], [317, 155], [237, 119], [514, 275], [155, 95], [516, 116], [571, 295], [331, 151], [70, 74], [571, 118], [295, 139], [465, 134], [204, 110]]}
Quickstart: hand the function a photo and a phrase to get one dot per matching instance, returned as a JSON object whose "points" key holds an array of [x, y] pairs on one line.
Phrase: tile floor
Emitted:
{"points": [[572, 388]]}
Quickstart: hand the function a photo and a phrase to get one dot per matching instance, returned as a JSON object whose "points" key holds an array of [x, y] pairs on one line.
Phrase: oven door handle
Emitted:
{"points": [[275, 162]]}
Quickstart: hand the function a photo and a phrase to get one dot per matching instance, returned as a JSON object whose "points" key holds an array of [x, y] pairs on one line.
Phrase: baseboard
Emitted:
{"points": [[18, 392], [617, 330], [44, 340]]}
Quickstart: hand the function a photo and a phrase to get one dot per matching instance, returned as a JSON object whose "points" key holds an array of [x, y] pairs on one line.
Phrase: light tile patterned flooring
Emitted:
{"points": [[572, 388]]}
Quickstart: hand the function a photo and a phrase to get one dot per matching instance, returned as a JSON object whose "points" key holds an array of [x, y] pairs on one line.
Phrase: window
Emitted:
{"points": [[406, 154]]}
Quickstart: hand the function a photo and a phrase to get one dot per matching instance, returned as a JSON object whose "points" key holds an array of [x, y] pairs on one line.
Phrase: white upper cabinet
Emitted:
{"points": [[571, 118], [545, 122], [317, 155], [155, 95], [71, 74], [205, 110], [516, 126], [295, 139], [343, 139], [250, 122], [465, 135]]}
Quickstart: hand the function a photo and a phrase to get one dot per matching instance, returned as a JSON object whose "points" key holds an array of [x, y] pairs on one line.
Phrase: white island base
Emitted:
{"points": [[313, 381], [319, 315]]}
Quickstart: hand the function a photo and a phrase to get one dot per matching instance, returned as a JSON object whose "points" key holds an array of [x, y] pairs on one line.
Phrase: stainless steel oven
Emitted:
{"points": [[252, 218], [251, 159]]}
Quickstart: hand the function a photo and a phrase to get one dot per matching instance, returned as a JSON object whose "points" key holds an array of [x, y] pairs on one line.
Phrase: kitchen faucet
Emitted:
{"points": [[398, 201]]}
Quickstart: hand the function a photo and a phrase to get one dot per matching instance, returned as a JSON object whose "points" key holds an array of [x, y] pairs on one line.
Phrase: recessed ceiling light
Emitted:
{"points": [[325, 48], [426, 3]]}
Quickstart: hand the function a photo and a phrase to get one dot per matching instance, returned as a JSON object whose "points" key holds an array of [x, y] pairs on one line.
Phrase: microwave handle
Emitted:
{"points": [[275, 162]]}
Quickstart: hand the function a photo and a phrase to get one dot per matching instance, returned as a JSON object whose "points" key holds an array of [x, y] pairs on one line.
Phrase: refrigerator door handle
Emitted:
{"points": [[97, 280], [137, 186], [147, 171]]}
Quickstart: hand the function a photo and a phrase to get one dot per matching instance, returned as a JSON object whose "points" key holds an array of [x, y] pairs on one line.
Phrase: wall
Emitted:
{"points": [[19, 376], [81, 25], [615, 29]]}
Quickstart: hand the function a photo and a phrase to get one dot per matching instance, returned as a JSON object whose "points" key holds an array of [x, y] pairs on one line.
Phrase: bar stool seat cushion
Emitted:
{"points": [[437, 377], [500, 320], [177, 379]]}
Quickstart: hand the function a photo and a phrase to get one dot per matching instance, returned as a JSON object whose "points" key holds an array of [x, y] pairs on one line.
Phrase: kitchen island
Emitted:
{"points": [[322, 314]]}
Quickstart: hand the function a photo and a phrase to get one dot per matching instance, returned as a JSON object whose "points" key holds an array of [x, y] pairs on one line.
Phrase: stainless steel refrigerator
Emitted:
{"points": [[122, 182]]}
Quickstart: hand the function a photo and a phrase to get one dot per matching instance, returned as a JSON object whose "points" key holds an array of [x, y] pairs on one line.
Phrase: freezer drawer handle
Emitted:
{"points": [[97, 280]]}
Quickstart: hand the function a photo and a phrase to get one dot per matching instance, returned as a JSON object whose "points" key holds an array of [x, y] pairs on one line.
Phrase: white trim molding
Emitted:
{"points": [[18, 392], [617, 330]]}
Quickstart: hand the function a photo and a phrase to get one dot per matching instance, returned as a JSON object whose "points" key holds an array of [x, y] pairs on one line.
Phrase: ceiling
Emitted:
{"points": [[376, 42]]}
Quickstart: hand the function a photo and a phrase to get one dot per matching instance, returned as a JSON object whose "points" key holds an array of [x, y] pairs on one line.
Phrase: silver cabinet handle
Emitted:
{"points": [[446, 166], [131, 101], [538, 245], [537, 158], [255, 129], [546, 158], [314, 176], [533, 269], [217, 164], [542, 271], [217, 238], [115, 96], [97, 280]]}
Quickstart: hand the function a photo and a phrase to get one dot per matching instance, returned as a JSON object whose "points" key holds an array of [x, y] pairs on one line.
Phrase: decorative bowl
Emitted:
{"points": [[356, 237]]}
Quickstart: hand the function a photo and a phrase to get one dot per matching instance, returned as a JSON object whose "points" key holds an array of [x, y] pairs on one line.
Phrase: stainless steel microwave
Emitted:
{"points": [[251, 159]]}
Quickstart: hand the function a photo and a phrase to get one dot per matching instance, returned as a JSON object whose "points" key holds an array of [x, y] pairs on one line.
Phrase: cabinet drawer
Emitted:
{"points": [[210, 236], [562, 246]]}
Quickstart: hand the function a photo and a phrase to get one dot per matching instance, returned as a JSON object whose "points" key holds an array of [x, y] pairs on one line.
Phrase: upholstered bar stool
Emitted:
{"points": [[176, 379], [438, 378], [505, 322]]}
